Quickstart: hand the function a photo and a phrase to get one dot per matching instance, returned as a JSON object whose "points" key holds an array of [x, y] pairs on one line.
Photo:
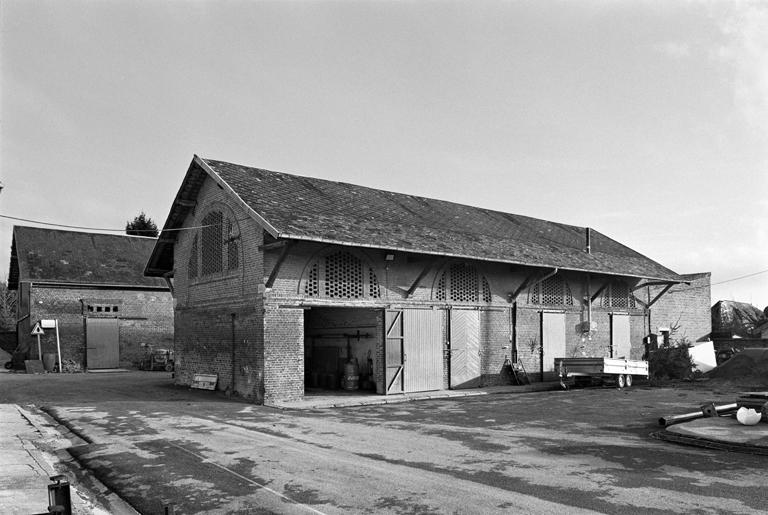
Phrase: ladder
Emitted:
{"points": [[519, 374]]}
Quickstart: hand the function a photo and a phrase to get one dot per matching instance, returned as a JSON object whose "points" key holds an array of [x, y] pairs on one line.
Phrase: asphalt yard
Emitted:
{"points": [[587, 450]]}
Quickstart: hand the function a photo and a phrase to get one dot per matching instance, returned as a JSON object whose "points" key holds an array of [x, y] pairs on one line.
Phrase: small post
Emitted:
{"points": [[58, 346], [59, 497]]}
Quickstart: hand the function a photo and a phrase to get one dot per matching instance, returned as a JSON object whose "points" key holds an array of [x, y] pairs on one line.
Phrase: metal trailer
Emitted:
{"points": [[584, 369]]}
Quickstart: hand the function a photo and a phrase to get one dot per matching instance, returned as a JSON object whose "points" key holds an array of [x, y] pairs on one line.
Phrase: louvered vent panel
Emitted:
{"points": [[312, 286], [486, 291], [464, 283], [440, 291], [212, 243], [552, 292], [343, 276], [373, 285]]}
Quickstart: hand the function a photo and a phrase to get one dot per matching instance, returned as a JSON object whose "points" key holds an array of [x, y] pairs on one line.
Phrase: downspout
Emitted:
{"points": [[232, 384], [167, 277], [588, 250]]}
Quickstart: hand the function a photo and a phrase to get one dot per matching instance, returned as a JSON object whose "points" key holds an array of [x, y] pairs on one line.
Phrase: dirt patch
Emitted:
{"points": [[748, 367]]}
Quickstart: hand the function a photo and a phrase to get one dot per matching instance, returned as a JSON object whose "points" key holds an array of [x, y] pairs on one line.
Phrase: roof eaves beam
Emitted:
{"points": [[599, 291], [278, 264], [274, 245], [421, 276], [659, 283], [529, 281], [662, 292]]}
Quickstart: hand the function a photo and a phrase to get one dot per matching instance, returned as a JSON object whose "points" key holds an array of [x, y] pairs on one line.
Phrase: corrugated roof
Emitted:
{"points": [[312, 209], [57, 256]]}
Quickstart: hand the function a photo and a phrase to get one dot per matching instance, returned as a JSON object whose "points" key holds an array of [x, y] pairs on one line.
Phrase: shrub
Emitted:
{"points": [[671, 361]]}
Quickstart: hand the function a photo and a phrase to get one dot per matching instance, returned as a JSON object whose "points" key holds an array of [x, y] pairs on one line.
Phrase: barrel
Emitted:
{"points": [[49, 361], [351, 378]]}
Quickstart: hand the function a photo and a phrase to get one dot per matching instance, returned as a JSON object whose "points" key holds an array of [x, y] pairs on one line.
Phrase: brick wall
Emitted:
{"points": [[283, 354], [269, 360], [684, 306], [144, 317], [205, 329]]}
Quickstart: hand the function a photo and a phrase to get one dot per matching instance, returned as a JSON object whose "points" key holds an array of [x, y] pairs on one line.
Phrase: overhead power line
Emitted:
{"points": [[202, 226], [101, 229]]}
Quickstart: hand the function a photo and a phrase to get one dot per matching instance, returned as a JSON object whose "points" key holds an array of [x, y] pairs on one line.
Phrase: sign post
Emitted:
{"points": [[38, 331], [58, 346]]}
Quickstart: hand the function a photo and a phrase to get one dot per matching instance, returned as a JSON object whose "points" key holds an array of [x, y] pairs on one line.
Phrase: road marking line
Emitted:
{"points": [[247, 479]]}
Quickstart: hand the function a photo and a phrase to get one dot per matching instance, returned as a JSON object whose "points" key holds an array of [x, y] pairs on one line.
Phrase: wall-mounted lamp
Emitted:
{"points": [[390, 257]]}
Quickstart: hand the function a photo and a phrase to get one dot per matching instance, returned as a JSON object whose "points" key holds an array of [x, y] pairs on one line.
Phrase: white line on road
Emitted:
{"points": [[247, 479]]}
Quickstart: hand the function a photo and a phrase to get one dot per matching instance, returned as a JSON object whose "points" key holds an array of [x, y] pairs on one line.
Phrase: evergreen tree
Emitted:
{"points": [[142, 225]]}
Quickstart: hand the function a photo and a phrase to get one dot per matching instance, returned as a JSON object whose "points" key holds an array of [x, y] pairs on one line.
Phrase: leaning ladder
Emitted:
{"points": [[519, 374]]}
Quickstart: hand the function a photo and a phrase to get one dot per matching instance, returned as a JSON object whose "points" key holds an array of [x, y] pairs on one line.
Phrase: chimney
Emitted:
{"points": [[588, 237]]}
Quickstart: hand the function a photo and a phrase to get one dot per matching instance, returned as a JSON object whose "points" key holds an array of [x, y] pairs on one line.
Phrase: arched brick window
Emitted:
{"points": [[341, 275], [218, 248], [462, 282], [553, 291]]}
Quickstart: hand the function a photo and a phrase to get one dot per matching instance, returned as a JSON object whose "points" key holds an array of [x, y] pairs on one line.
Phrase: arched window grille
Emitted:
{"points": [[218, 249], [341, 275], [193, 259], [618, 295], [553, 291], [462, 282]]}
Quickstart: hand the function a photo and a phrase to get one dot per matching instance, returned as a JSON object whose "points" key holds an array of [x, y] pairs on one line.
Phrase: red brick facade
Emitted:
{"points": [[144, 316], [262, 313], [684, 308], [229, 322]]}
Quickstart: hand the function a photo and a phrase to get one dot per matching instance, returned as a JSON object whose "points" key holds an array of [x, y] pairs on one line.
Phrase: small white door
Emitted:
{"points": [[620, 342], [552, 339], [465, 348]]}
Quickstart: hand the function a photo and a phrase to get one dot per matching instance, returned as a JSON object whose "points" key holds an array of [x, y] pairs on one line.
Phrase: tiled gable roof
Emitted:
{"points": [[56, 256], [312, 209]]}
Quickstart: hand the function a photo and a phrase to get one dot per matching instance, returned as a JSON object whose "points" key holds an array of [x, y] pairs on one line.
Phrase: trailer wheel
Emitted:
{"points": [[620, 382], [628, 380]]}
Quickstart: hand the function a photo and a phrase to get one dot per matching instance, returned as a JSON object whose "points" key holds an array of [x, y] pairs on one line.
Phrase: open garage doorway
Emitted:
{"points": [[340, 350]]}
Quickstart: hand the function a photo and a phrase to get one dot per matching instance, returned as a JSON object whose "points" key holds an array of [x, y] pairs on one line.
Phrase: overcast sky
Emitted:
{"points": [[645, 120]]}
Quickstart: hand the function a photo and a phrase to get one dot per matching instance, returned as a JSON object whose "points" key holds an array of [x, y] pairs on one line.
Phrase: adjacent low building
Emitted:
{"points": [[286, 284], [93, 284]]}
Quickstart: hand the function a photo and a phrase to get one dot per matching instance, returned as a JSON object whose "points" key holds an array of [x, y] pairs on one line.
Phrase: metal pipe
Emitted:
{"points": [[676, 419], [233, 353]]}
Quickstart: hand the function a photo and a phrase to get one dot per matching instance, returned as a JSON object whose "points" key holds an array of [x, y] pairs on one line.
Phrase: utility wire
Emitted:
{"points": [[202, 226], [742, 277], [99, 228]]}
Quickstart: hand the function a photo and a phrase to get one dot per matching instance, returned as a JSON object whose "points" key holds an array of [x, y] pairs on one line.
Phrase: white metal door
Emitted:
{"points": [[465, 348], [620, 341], [552, 339], [423, 346]]}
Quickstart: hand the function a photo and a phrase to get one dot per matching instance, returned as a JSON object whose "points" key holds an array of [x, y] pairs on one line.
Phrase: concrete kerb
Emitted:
{"points": [[336, 401], [721, 433], [57, 439]]}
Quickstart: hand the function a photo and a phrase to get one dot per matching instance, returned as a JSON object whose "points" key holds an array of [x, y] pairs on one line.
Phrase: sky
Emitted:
{"points": [[645, 120]]}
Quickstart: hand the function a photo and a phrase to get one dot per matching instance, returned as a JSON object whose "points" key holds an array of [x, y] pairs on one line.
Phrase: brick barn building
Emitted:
{"points": [[280, 280], [94, 285]]}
